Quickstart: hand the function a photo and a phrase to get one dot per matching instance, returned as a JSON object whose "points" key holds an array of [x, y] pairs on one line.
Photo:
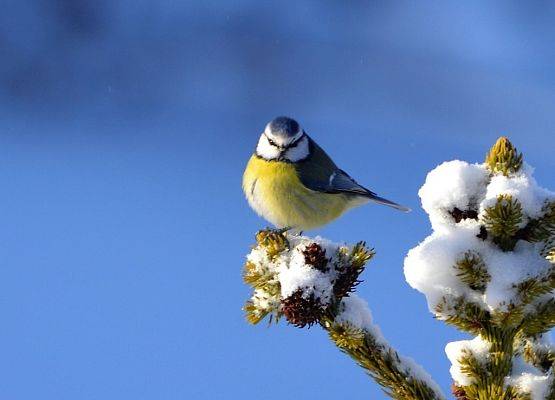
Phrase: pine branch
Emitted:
{"points": [[541, 320], [488, 376], [504, 158], [400, 380], [541, 357], [382, 363], [541, 229], [531, 289], [462, 314], [473, 271], [502, 221]]}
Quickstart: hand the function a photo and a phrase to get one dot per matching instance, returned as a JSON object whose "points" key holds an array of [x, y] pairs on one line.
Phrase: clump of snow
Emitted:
{"points": [[263, 300], [522, 187], [456, 195], [528, 380], [453, 184], [430, 267], [294, 273], [291, 271], [355, 312], [508, 268], [476, 347], [534, 384], [471, 188]]}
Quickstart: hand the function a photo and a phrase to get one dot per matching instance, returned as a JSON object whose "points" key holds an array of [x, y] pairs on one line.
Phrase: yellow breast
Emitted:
{"points": [[275, 192]]}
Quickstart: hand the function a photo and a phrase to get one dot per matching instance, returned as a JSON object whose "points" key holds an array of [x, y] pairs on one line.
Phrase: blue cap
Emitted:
{"points": [[283, 127]]}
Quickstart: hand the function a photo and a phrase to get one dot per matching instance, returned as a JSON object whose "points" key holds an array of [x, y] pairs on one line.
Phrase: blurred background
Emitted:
{"points": [[124, 130]]}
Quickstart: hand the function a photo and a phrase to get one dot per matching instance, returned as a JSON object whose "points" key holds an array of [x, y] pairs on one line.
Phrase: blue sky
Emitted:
{"points": [[124, 130]]}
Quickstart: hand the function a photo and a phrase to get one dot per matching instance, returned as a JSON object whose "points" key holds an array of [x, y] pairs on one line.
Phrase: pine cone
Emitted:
{"points": [[458, 392], [315, 256], [300, 311], [347, 281]]}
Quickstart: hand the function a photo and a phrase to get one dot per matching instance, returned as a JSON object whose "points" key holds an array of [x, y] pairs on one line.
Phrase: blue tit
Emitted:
{"points": [[291, 182]]}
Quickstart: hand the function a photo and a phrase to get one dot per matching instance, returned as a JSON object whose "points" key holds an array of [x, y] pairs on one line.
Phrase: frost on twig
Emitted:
{"points": [[488, 269], [311, 281]]}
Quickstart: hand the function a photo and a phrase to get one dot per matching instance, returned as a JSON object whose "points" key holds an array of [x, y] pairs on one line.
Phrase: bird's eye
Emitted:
{"points": [[272, 142]]}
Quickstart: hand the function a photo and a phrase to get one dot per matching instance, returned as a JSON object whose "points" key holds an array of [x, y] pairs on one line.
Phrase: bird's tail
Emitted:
{"points": [[381, 200]]}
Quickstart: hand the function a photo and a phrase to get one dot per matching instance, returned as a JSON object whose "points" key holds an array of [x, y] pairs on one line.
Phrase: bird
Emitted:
{"points": [[291, 181]]}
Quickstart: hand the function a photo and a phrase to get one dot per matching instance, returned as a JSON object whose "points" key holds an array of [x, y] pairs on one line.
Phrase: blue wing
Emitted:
{"points": [[321, 174]]}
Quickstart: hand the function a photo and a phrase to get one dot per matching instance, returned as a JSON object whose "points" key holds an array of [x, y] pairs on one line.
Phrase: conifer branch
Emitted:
{"points": [[501, 293], [462, 314], [273, 255], [502, 221], [504, 158], [473, 271], [541, 357], [381, 362], [541, 229], [541, 320]]}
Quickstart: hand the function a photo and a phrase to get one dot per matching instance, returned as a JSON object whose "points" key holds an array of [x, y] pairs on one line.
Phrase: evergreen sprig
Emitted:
{"points": [[262, 280], [491, 384], [532, 288], [254, 314], [473, 271], [378, 359], [541, 319], [511, 330], [463, 314], [540, 357], [541, 229], [504, 158], [502, 221], [381, 362], [274, 241], [350, 268]]}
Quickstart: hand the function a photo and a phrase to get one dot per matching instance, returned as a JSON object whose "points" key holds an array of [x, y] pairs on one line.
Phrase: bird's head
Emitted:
{"points": [[283, 139]]}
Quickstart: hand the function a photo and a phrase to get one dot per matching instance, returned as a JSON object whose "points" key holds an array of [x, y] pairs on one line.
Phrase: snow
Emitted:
{"points": [[534, 384], [508, 268], [524, 377], [477, 347], [453, 184], [355, 312], [527, 379], [262, 300], [431, 266], [290, 269], [521, 186], [295, 274]]}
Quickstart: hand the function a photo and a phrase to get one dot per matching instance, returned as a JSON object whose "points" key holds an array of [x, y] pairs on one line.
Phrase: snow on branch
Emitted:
{"points": [[488, 269], [311, 281]]}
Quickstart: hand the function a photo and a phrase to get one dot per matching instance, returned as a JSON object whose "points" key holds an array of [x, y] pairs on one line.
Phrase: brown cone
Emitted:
{"points": [[315, 256], [300, 311]]}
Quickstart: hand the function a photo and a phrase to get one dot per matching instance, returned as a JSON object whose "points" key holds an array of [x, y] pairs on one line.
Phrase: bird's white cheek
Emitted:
{"points": [[266, 150], [299, 152]]}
